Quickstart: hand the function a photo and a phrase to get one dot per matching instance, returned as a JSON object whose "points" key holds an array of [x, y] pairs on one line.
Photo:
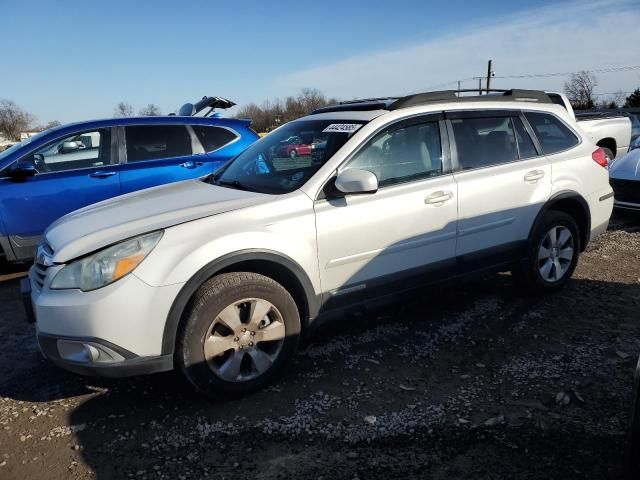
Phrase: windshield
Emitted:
{"points": [[286, 158], [18, 146]]}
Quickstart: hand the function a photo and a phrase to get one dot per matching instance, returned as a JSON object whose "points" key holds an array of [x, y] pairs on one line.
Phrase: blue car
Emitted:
{"points": [[69, 167]]}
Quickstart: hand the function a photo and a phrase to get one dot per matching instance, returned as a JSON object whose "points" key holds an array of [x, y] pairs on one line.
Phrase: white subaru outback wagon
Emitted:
{"points": [[219, 277]]}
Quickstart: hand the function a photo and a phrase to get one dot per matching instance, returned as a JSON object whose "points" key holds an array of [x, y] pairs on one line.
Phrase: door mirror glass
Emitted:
{"points": [[23, 169], [68, 147], [356, 181]]}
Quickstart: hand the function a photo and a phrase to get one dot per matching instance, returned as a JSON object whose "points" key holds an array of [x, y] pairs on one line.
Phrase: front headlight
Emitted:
{"points": [[106, 266]]}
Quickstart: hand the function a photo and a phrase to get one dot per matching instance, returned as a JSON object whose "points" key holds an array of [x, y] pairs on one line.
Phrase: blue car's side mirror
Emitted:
{"points": [[23, 169]]}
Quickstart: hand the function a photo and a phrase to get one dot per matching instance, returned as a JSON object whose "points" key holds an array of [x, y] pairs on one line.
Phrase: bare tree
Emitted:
{"points": [[619, 97], [579, 88], [13, 120], [273, 113], [123, 109], [150, 110], [47, 126]]}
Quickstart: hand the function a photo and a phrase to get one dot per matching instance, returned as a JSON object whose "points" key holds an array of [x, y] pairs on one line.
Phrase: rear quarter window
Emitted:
{"points": [[213, 138], [554, 136]]}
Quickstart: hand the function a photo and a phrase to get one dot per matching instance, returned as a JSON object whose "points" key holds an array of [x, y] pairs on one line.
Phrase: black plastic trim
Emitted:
{"points": [[566, 194], [209, 270], [382, 289], [605, 197]]}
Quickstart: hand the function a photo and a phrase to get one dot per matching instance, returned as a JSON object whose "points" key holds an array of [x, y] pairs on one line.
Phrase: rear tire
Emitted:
{"points": [[242, 329], [552, 255]]}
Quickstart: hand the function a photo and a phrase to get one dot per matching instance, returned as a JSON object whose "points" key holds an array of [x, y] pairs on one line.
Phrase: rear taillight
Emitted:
{"points": [[600, 157]]}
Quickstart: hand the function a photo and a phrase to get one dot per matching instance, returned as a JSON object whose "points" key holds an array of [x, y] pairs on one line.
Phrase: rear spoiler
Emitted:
{"points": [[191, 109]]}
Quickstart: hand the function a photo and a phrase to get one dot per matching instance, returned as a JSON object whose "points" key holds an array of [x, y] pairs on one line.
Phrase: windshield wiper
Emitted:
{"points": [[232, 183]]}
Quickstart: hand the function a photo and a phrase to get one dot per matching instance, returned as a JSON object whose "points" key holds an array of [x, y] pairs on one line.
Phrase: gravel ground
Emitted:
{"points": [[478, 384]]}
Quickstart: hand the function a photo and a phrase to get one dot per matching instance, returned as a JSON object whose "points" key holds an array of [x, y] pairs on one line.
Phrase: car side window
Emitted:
{"points": [[213, 138], [484, 142], [402, 154], [526, 149], [73, 152], [152, 142], [553, 134]]}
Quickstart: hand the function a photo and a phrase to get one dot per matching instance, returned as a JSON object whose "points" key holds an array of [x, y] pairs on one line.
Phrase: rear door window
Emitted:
{"points": [[152, 142], [213, 138], [483, 142], [554, 136]]}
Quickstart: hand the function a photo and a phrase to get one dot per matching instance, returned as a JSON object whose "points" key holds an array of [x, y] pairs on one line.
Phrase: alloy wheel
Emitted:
{"points": [[244, 340], [555, 253]]}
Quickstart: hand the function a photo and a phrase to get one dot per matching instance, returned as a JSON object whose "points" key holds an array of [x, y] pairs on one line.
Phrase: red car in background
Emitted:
{"points": [[294, 146]]}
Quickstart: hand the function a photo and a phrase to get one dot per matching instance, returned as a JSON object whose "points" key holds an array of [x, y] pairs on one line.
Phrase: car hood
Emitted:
{"points": [[626, 167], [108, 222]]}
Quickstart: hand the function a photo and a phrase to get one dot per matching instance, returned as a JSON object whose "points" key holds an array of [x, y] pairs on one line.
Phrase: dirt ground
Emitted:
{"points": [[477, 383]]}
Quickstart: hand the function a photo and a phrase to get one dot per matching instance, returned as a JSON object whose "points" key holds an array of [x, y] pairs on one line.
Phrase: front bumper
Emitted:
{"points": [[126, 365], [114, 331]]}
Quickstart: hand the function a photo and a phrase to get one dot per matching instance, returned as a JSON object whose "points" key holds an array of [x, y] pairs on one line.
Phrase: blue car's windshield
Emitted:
{"points": [[286, 158], [18, 146]]}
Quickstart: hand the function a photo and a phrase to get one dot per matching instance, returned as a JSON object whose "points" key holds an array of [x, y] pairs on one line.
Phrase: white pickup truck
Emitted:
{"points": [[609, 130]]}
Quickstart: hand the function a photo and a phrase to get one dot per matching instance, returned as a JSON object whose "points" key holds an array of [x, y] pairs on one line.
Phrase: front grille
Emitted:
{"points": [[42, 263], [626, 190]]}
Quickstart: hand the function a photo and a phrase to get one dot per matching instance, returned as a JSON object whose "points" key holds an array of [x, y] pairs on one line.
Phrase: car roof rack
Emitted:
{"points": [[358, 105], [396, 103]]}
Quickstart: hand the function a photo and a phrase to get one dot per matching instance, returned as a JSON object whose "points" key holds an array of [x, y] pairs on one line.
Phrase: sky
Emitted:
{"points": [[75, 60]]}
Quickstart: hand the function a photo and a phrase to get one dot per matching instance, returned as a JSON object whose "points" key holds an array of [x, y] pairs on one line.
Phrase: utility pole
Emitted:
{"points": [[489, 75], [479, 85], [458, 86]]}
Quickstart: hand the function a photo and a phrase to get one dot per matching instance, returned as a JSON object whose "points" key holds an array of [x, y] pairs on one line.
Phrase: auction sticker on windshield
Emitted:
{"points": [[342, 128]]}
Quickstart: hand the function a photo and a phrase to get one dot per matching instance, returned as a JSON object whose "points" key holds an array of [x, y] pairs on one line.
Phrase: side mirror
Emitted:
{"points": [[356, 181], [69, 147], [23, 169]]}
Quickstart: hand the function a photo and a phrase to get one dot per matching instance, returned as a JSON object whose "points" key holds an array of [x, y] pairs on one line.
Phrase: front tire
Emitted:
{"points": [[552, 255], [242, 329]]}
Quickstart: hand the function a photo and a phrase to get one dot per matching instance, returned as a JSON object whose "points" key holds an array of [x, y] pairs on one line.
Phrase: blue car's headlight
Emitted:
{"points": [[107, 265]]}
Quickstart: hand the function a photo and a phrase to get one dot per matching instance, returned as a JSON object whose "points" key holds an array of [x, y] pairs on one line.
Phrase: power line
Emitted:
{"points": [[564, 74], [613, 93], [626, 68]]}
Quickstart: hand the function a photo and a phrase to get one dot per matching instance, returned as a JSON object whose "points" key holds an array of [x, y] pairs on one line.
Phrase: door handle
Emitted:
{"points": [[438, 198], [533, 176], [102, 174], [191, 164]]}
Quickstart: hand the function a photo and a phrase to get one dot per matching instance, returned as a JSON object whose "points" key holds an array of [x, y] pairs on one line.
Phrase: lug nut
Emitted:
{"points": [[251, 344], [253, 333], [236, 339], [244, 329], [241, 347]]}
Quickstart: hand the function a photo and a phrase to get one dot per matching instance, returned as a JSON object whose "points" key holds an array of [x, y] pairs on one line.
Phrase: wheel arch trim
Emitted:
{"points": [[566, 195], [222, 263]]}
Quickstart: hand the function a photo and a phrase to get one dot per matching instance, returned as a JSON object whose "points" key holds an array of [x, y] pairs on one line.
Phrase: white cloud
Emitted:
{"points": [[564, 37]]}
